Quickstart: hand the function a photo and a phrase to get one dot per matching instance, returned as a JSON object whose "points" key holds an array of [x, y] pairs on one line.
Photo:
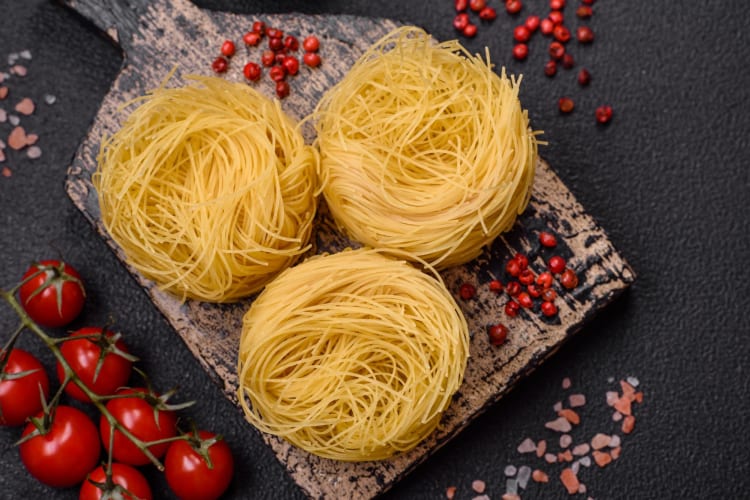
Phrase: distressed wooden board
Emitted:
{"points": [[156, 36]]}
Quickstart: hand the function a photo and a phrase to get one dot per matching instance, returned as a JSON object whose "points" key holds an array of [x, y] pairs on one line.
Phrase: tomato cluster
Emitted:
{"points": [[60, 445]]}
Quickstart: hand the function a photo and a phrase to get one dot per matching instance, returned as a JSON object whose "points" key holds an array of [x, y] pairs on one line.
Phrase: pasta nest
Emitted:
{"points": [[209, 189], [352, 356], [424, 148]]}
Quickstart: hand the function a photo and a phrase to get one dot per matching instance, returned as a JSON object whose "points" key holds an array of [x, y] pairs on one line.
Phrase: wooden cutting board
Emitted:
{"points": [[157, 35]]}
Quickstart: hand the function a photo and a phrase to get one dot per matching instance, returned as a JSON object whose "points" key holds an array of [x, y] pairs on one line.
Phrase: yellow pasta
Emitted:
{"points": [[424, 148], [352, 356], [209, 189]]}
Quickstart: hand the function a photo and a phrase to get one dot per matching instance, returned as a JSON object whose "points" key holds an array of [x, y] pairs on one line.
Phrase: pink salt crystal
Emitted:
{"points": [[557, 406], [560, 424], [614, 441], [19, 70], [527, 446], [615, 452], [25, 106], [581, 449], [478, 485], [481, 497], [585, 461], [581, 488], [623, 405], [617, 416], [510, 470], [3, 115], [7, 172], [565, 441], [3, 93], [17, 138], [612, 398], [541, 447], [2, 155], [570, 481], [510, 496], [31, 139], [599, 441], [577, 400], [566, 383], [551, 458], [450, 492]]}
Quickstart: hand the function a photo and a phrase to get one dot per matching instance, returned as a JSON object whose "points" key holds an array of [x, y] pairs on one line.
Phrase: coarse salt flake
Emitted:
{"points": [[566, 383], [560, 424], [569, 480], [600, 441], [19, 70], [581, 449], [541, 448], [557, 406], [524, 474], [565, 440], [478, 485], [510, 470], [527, 446], [577, 400], [539, 476], [25, 106], [450, 492]]}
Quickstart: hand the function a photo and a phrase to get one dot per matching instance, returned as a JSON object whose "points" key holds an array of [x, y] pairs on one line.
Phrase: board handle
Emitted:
{"points": [[119, 19]]}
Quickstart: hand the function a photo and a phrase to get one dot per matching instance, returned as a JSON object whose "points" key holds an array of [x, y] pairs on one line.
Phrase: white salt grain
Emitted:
{"points": [[551, 458], [617, 416], [524, 474], [12, 58], [34, 152], [3, 115], [575, 467], [557, 406], [527, 446], [577, 400], [614, 441], [581, 449], [510, 470], [612, 398], [14, 120], [610, 379], [633, 381], [559, 424], [25, 54], [585, 461], [50, 99], [19, 70], [581, 488], [566, 383], [511, 486]]}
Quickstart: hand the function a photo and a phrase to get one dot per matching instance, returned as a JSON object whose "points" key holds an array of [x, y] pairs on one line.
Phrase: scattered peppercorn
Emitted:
{"points": [[532, 23], [227, 48], [220, 64], [252, 71], [561, 33], [584, 77], [282, 89], [556, 4], [477, 5], [550, 68], [467, 291], [556, 50], [513, 288], [496, 286], [498, 333], [512, 308], [565, 104], [546, 26], [311, 59], [569, 279], [311, 44], [547, 239], [513, 6], [251, 38], [567, 61], [470, 31], [545, 279], [548, 308], [526, 277], [584, 12], [603, 114], [487, 14], [556, 264], [520, 51], [584, 34], [521, 33], [556, 17], [461, 21]]}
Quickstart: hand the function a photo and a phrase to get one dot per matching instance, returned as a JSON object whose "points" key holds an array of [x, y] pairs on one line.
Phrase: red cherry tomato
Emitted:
{"points": [[124, 477], [66, 452], [20, 397], [85, 355], [137, 416], [53, 296], [189, 475]]}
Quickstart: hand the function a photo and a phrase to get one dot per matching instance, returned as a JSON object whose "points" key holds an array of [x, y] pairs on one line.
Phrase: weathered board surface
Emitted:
{"points": [[156, 36]]}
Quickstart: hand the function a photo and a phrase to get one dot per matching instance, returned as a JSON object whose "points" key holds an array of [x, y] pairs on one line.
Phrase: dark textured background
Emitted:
{"points": [[668, 179]]}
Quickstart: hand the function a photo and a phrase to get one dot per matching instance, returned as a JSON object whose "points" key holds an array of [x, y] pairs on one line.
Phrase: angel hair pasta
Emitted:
{"points": [[351, 356], [425, 148], [209, 189]]}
